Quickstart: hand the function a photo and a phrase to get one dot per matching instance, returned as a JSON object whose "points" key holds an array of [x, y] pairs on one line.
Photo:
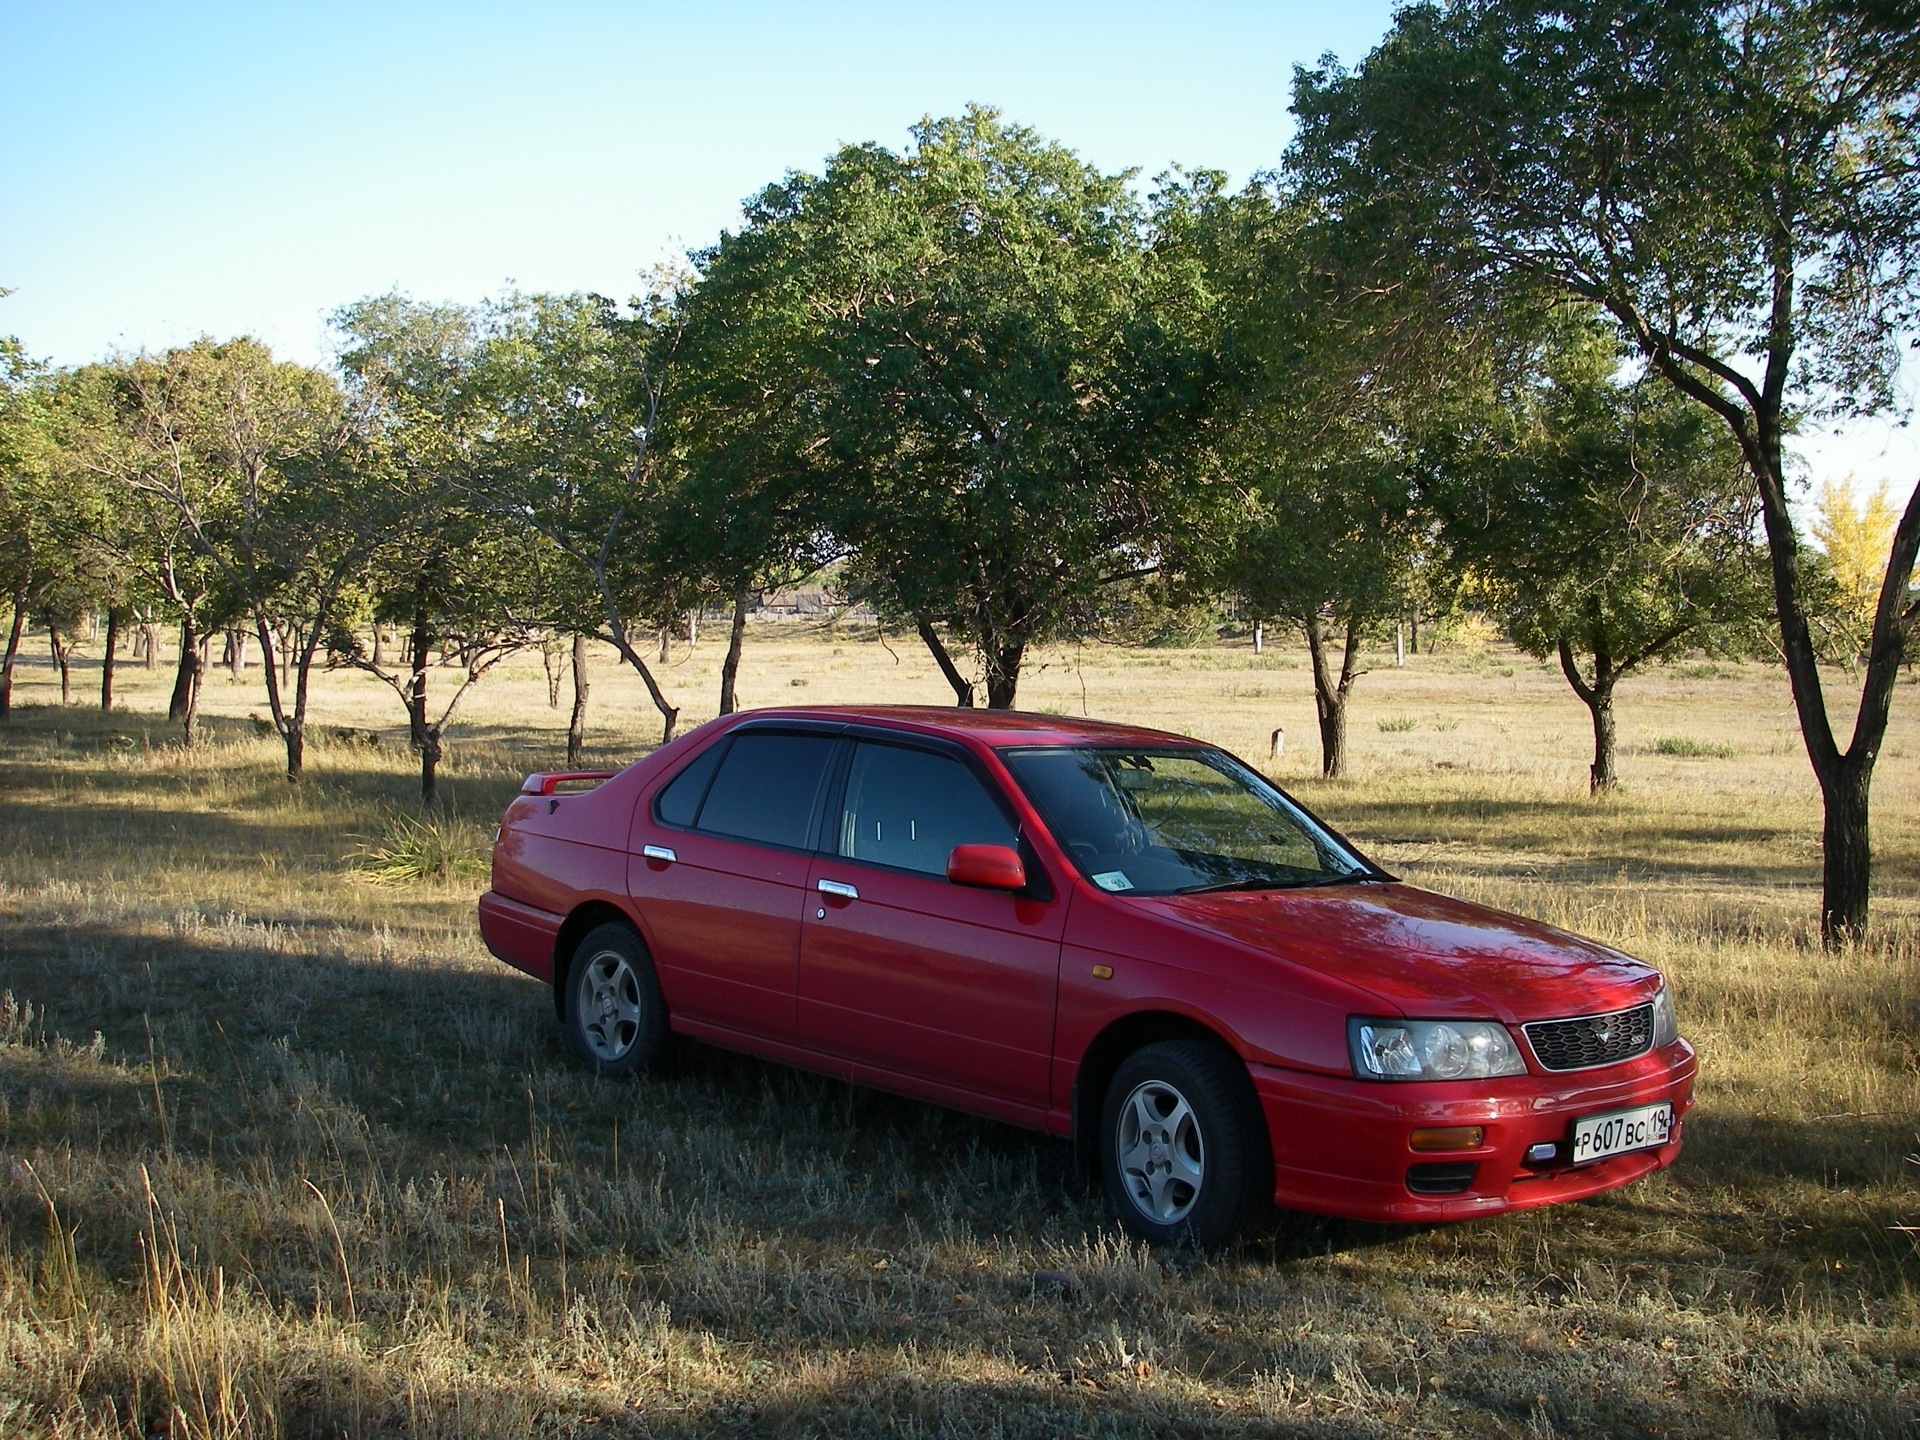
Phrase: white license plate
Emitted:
{"points": [[1598, 1136]]}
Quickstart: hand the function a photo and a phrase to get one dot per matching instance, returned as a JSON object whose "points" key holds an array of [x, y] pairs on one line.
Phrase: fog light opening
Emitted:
{"points": [[1447, 1137], [1450, 1177]]}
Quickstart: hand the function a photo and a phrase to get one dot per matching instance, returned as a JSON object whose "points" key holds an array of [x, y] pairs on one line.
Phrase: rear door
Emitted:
{"points": [[718, 875], [906, 972]]}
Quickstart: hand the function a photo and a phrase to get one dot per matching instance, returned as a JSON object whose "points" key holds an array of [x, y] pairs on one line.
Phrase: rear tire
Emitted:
{"points": [[1183, 1148], [615, 1017]]}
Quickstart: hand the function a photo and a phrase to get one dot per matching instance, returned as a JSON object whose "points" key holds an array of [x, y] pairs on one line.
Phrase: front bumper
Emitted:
{"points": [[1341, 1146]]}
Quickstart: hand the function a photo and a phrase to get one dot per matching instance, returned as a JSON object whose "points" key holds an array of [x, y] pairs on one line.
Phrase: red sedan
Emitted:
{"points": [[1100, 931]]}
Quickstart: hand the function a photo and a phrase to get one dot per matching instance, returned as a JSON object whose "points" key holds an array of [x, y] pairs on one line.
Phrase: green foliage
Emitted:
{"points": [[1735, 182], [1399, 724], [1604, 517], [978, 341]]}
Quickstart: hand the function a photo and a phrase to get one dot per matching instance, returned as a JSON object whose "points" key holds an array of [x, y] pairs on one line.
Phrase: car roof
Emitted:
{"points": [[993, 727]]}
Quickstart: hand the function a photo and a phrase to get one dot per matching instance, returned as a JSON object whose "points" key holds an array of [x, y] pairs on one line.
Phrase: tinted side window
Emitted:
{"points": [[680, 801], [766, 788], [911, 807]]}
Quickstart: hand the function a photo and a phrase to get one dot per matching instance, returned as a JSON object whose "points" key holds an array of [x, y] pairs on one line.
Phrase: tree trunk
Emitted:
{"points": [[1259, 637], [1003, 673], [666, 643], [550, 666], [430, 766], [13, 653], [237, 654], [150, 646], [1597, 696], [577, 723], [1399, 645], [1847, 874], [184, 704], [185, 672], [1330, 693], [425, 740], [63, 661], [1601, 776], [730, 667], [379, 643], [107, 658], [693, 629], [962, 687]]}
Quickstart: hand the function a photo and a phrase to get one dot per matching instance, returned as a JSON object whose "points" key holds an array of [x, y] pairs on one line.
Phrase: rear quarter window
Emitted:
{"points": [[680, 801]]}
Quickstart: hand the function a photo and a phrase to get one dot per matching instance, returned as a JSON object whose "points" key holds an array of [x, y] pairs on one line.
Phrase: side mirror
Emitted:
{"points": [[990, 867]]}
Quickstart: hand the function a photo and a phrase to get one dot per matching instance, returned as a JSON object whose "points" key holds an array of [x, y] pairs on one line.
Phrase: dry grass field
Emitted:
{"points": [[284, 1152]]}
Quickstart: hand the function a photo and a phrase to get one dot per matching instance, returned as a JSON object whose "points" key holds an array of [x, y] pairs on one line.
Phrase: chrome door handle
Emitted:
{"points": [[658, 852], [835, 887]]}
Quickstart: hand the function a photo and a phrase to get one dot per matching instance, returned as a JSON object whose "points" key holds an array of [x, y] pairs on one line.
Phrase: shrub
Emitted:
{"points": [[1399, 722], [429, 848], [1689, 748]]}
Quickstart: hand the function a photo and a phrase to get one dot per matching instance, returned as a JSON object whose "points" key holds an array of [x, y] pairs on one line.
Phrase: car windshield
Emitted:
{"points": [[1176, 821]]}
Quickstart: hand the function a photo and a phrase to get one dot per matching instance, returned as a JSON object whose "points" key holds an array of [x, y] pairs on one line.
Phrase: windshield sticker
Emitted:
{"points": [[1113, 880]]}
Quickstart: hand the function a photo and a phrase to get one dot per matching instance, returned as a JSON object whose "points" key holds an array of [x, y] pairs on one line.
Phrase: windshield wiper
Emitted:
{"points": [[1223, 886]]}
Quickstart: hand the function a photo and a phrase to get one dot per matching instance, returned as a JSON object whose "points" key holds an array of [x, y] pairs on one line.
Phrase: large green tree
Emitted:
{"points": [[574, 390], [1328, 389], [240, 456], [1735, 182], [1605, 518], [119, 427], [465, 586], [999, 382]]}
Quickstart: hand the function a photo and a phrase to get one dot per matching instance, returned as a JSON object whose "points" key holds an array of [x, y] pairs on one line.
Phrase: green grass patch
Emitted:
{"points": [[408, 849], [1688, 748]]}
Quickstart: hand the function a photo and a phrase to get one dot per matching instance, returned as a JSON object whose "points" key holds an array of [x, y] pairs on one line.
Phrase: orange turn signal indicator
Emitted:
{"points": [[1447, 1137]]}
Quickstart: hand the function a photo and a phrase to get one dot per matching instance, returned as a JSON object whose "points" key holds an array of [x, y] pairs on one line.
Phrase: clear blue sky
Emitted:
{"points": [[169, 170], [173, 169]]}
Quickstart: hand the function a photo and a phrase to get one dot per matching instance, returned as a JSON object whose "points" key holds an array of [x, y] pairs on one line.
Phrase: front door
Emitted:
{"points": [[906, 972]]}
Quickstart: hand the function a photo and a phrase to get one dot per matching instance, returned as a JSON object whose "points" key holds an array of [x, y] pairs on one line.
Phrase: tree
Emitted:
{"points": [[27, 512], [1324, 399], [242, 454], [1606, 518], [1854, 539], [1735, 182], [462, 583], [982, 355], [573, 392]]}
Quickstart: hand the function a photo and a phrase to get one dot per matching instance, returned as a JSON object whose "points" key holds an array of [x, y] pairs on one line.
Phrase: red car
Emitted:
{"points": [[1108, 933]]}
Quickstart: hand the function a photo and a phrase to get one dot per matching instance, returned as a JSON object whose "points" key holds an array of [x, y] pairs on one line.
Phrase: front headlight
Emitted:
{"points": [[1432, 1049], [1666, 1026]]}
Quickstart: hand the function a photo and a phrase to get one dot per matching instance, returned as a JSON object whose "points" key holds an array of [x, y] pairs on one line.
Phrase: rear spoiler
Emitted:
{"points": [[548, 783]]}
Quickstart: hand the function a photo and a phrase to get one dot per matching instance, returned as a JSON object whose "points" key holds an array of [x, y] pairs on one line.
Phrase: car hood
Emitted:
{"points": [[1422, 953]]}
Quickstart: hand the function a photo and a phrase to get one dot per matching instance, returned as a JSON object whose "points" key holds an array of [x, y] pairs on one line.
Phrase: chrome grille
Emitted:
{"points": [[1590, 1040]]}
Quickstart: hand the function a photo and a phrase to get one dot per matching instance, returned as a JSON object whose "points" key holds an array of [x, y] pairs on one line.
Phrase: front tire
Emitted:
{"points": [[1183, 1149], [615, 1017]]}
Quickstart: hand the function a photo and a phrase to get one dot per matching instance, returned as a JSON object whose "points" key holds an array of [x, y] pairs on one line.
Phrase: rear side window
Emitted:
{"points": [[680, 801], [909, 808], [766, 788]]}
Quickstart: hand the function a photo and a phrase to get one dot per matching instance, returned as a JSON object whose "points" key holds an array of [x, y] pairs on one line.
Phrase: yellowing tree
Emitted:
{"points": [[1856, 539]]}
